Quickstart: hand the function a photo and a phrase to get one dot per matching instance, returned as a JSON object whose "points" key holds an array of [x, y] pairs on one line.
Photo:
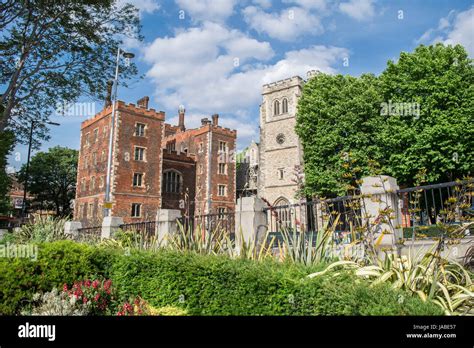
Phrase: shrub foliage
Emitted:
{"points": [[201, 284], [217, 285], [57, 263]]}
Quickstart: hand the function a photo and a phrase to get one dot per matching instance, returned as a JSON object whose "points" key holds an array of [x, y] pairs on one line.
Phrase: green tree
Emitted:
{"points": [[440, 139], [7, 140], [52, 179], [345, 120], [53, 52], [337, 117]]}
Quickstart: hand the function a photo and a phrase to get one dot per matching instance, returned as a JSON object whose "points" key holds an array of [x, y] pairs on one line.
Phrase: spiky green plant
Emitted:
{"points": [[42, 229], [133, 240], [200, 240], [431, 277], [253, 248], [300, 247]]}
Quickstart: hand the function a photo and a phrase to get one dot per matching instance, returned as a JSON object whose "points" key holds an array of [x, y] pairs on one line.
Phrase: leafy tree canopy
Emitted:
{"points": [[53, 52], [52, 179], [7, 140], [417, 116]]}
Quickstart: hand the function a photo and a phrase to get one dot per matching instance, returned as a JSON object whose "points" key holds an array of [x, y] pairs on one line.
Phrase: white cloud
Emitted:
{"points": [[286, 25], [358, 9], [263, 3], [456, 28], [144, 6], [245, 130], [208, 9], [309, 4], [426, 36], [196, 68], [244, 47], [463, 31]]}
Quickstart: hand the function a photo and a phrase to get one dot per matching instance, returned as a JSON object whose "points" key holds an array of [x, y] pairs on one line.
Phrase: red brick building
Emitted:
{"points": [[155, 165]]}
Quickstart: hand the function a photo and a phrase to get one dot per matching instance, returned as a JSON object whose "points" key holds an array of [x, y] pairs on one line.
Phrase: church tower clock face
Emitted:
{"points": [[280, 138]]}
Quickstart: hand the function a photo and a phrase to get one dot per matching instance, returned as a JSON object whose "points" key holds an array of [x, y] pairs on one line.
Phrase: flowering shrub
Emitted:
{"points": [[140, 307], [56, 302], [99, 295], [87, 297], [137, 307]]}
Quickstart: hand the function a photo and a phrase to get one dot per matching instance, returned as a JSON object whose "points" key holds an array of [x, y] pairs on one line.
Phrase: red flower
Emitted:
{"points": [[96, 297], [95, 284], [127, 308], [65, 287], [87, 283], [84, 300], [107, 284]]}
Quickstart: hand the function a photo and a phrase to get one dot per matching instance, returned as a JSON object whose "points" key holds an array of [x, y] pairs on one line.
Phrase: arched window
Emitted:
{"points": [[172, 181], [276, 107], [283, 213], [284, 106]]}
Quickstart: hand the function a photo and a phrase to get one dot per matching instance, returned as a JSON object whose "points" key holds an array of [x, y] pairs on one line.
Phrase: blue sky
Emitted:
{"points": [[212, 56]]}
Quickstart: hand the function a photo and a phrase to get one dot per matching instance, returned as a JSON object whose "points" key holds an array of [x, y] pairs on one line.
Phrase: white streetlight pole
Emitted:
{"points": [[107, 202]]}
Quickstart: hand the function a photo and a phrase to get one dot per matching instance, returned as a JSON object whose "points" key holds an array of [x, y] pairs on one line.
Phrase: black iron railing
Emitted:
{"points": [[211, 223], [145, 227], [89, 233], [311, 216], [423, 207], [449, 203]]}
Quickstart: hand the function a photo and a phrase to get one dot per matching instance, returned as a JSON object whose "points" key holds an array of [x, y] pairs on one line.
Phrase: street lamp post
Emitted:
{"points": [[25, 185], [107, 203]]}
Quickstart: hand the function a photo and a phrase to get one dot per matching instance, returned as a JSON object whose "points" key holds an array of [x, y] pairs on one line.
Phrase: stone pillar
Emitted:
{"points": [[250, 221], [380, 193], [72, 228], [110, 225], [166, 224]]}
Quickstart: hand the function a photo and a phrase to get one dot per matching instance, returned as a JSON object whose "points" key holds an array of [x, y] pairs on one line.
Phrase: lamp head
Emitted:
{"points": [[128, 55]]}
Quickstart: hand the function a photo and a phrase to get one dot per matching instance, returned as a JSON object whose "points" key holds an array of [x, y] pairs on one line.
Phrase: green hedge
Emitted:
{"points": [[203, 285], [212, 285], [57, 263]]}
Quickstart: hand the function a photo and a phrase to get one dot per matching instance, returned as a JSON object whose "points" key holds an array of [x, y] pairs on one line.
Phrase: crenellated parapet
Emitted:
{"points": [[127, 108]]}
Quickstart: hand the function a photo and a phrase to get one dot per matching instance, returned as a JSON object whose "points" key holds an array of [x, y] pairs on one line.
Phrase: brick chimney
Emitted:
{"points": [[205, 121], [215, 119], [143, 102], [181, 112]]}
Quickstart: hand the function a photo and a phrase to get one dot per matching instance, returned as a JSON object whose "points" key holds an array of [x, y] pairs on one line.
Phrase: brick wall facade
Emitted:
{"points": [[184, 166], [144, 150], [205, 144]]}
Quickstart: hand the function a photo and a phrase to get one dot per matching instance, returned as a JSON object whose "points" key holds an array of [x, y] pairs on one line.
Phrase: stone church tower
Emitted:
{"points": [[281, 152]]}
